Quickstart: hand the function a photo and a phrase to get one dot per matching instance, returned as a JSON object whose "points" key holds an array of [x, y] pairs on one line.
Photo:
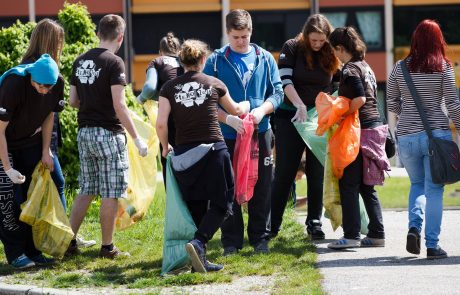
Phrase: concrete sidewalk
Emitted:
{"points": [[391, 270]]}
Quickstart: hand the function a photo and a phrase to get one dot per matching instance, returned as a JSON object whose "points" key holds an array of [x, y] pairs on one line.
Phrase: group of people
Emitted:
{"points": [[202, 98]]}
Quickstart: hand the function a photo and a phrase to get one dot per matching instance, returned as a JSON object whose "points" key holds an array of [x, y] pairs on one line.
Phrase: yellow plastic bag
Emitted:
{"points": [[142, 171], [43, 210], [331, 193]]}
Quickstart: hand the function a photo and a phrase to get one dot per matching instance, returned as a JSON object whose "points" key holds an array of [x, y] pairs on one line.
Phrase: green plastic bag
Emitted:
{"points": [[307, 130], [179, 226]]}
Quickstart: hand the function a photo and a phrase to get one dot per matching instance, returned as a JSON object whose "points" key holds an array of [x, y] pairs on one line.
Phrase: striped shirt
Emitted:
{"points": [[434, 89]]}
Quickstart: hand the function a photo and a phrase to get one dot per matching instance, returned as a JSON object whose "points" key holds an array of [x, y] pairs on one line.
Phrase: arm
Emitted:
{"points": [[47, 129], [449, 92], [74, 100], [122, 112], [232, 107], [293, 96], [4, 146], [355, 104], [149, 91], [162, 123], [14, 175], [276, 87]]}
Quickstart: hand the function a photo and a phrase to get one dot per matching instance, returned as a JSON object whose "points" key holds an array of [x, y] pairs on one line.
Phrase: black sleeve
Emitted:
{"points": [[354, 86], [12, 92], [286, 61]]}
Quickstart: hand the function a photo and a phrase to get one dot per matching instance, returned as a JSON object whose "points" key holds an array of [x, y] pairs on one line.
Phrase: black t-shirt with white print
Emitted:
{"points": [[168, 68], [94, 72], [359, 71], [25, 109], [194, 101]]}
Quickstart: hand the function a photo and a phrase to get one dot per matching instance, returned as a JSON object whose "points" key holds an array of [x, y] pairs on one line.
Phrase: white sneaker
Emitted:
{"points": [[344, 244], [82, 243]]}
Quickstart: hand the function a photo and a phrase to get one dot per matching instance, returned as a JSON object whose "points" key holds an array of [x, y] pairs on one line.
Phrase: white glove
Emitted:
{"points": [[258, 114], [245, 106], [140, 99], [15, 176], [301, 113], [141, 146], [236, 123]]}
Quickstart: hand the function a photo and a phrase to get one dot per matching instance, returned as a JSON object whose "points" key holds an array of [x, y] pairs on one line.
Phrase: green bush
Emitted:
{"points": [[80, 36]]}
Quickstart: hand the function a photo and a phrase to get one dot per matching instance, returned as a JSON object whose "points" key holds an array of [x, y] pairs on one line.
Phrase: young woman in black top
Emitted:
{"points": [[357, 82], [307, 65]]}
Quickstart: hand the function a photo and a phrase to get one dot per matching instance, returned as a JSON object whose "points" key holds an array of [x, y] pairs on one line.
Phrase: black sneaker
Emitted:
{"points": [[210, 267], [435, 253], [314, 229], [230, 250], [262, 247], [413, 241], [196, 251]]}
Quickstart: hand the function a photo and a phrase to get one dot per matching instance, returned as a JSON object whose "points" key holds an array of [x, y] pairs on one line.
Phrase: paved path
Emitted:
{"points": [[392, 270]]}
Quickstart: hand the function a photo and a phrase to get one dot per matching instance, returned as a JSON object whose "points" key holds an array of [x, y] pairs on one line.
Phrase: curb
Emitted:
{"points": [[6, 289]]}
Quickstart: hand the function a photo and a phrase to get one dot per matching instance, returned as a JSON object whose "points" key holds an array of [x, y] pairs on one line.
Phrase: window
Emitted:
{"points": [[271, 29], [368, 22], [406, 19]]}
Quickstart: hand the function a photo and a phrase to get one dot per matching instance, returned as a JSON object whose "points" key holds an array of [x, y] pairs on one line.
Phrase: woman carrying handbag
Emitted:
{"points": [[431, 77]]}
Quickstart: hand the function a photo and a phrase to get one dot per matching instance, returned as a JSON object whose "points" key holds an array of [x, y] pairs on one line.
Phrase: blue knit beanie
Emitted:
{"points": [[43, 71]]}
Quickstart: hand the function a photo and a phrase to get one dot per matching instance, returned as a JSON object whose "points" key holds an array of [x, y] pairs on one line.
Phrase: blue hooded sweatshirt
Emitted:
{"points": [[264, 85]]}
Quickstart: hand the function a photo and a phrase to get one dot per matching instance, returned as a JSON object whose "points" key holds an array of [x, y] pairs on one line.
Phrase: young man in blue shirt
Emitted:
{"points": [[250, 74]]}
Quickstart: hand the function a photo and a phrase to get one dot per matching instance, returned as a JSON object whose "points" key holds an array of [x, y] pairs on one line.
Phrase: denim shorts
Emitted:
{"points": [[103, 162]]}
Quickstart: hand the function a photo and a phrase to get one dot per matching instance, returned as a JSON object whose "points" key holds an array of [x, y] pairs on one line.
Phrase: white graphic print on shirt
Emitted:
{"points": [[86, 72], [192, 92], [247, 76]]}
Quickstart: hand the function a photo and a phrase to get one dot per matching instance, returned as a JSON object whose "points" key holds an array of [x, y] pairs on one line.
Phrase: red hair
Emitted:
{"points": [[428, 48]]}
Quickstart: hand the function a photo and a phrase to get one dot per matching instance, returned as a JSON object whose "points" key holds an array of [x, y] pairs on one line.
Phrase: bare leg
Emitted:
{"points": [[79, 209], [109, 209]]}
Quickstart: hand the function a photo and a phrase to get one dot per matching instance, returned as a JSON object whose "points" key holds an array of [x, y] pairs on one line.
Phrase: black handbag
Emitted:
{"points": [[390, 147], [444, 154]]}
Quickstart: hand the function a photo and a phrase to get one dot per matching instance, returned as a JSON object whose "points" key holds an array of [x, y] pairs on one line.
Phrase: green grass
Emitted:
{"points": [[291, 261], [395, 192]]}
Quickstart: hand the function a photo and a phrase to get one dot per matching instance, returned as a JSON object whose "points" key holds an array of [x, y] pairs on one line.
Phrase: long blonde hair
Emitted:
{"points": [[47, 37]]}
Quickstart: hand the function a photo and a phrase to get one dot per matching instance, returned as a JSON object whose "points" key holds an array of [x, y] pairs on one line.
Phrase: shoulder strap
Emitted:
{"points": [[415, 97]]}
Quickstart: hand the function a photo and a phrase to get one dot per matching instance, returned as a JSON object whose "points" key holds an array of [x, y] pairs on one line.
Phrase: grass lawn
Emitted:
{"points": [[394, 193], [291, 261]]}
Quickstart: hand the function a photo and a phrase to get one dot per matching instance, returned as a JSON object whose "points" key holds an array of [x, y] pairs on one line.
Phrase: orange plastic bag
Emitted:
{"points": [[246, 160], [344, 144], [330, 109]]}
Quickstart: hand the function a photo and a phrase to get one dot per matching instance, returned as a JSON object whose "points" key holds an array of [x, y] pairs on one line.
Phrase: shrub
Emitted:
{"points": [[80, 36]]}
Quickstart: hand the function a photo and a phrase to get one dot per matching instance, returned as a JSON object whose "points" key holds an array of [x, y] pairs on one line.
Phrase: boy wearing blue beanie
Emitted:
{"points": [[29, 96]]}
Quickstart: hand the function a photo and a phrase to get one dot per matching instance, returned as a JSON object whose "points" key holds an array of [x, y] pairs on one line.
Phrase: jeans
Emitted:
{"points": [[58, 179], [425, 197]]}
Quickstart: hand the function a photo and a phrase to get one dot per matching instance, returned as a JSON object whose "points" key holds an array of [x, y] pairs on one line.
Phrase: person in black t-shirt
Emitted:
{"points": [[307, 66], [98, 91], [29, 96], [208, 190], [358, 83], [160, 70]]}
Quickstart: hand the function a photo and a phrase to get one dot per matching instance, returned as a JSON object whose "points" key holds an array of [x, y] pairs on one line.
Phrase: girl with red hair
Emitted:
{"points": [[433, 78]]}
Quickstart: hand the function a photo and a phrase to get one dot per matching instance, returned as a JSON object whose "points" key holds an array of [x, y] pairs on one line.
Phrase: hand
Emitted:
{"points": [[245, 107], [141, 146], [236, 123], [165, 152], [258, 114], [15, 176], [301, 113], [140, 99], [47, 160]]}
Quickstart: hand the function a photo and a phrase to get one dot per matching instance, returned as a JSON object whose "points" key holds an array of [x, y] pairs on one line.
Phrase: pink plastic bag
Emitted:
{"points": [[246, 161]]}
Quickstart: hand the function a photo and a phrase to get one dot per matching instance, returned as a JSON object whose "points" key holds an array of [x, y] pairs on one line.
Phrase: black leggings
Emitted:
{"points": [[289, 148]]}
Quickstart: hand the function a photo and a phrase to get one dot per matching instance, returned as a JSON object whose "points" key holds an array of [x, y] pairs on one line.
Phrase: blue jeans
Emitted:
{"points": [[425, 197], [58, 179]]}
